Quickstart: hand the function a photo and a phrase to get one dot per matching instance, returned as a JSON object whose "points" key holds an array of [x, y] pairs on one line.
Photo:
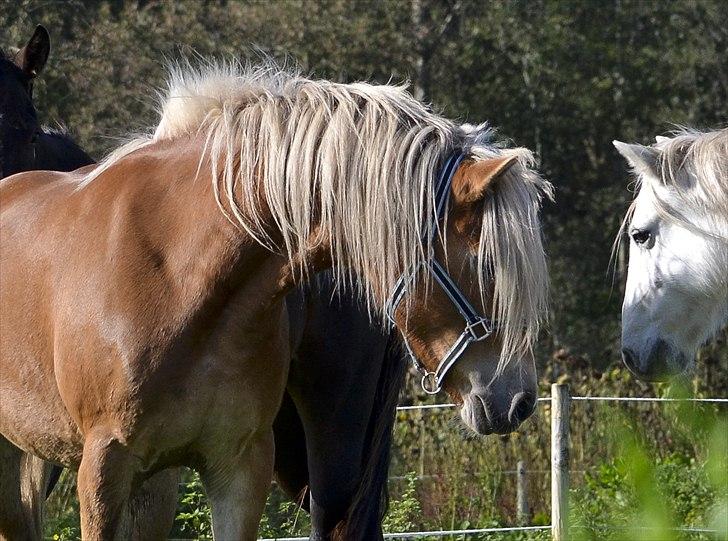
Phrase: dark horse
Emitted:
{"points": [[24, 144], [333, 431]]}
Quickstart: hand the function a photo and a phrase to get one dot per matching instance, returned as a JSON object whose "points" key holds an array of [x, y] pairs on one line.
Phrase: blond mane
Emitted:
{"points": [[353, 165]]}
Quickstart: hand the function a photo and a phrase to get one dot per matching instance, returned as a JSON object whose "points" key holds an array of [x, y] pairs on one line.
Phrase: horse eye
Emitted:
{"points": [[640, 236]]}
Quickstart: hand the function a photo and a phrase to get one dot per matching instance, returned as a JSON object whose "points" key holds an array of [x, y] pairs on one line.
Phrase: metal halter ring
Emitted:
{"points": [[429, 383]]}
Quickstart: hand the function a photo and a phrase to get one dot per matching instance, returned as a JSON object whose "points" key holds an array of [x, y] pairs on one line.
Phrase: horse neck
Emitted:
{"points": [[181, 234]]}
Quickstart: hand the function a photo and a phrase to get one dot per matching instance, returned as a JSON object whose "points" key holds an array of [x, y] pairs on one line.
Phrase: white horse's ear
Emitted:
{"points": [[642, 159]]}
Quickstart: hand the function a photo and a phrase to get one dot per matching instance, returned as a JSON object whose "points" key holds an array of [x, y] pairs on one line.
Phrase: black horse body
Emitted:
{"points": [[341, 395], [333, 432], [56, 151]]}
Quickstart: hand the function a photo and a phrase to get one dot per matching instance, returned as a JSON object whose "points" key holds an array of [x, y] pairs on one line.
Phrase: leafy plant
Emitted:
{"points": [[405, 510], [194, 517]]}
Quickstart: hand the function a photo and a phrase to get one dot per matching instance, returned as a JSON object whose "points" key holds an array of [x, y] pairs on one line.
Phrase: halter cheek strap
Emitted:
{"points": [[477, 327]]}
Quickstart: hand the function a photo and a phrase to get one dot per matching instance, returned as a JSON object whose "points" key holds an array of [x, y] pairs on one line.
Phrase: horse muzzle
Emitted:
{"points": [[660, 363], [486, 416]]}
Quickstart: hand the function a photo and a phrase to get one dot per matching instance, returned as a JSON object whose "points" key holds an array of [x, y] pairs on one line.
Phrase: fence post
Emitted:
{"points": [[522, 511], [560, 400]]}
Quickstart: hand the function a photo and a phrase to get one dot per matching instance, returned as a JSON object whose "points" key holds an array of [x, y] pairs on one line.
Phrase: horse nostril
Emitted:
{"points": [[522, 407]]}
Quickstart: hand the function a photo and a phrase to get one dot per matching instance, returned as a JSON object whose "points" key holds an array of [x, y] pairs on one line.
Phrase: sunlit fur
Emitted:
{"points": [[358, 163], [677, 290]]}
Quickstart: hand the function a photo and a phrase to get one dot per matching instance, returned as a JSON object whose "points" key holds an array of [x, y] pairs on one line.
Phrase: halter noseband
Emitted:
{"points": [[477, 327]]}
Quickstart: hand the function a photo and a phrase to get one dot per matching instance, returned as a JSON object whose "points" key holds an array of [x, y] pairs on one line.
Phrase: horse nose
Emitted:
{"points": [[637, 366], [655, 367], [522, 407]]}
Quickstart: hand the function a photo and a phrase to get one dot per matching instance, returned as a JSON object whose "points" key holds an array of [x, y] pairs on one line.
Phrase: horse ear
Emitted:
{"points": [[33, 56], [642, 159], [473, 178]]}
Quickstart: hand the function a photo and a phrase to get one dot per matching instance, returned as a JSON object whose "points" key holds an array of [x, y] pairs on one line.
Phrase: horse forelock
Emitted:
{"points": [[693, 165], [511, 253], [358, 163]]}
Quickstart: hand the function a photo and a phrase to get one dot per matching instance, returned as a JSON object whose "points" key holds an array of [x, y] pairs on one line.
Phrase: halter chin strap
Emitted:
{"points": [[477, 327]]}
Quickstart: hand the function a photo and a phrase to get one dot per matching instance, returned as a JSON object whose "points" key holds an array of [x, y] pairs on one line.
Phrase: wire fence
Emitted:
{"points": [[582, 398], [434, 533], [559, 467]]}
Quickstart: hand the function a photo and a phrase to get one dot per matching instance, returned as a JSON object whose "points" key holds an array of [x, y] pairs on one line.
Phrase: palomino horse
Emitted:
{"points": [[677, 285], [343, 471], [157, 336]]}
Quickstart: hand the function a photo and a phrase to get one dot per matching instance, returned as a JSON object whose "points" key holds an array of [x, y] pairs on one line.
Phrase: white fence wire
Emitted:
{"points": [[582, 398], [433, 533]]}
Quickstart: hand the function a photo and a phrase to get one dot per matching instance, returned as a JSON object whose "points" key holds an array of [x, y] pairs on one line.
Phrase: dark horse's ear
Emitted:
{"points": [[33, 56]]}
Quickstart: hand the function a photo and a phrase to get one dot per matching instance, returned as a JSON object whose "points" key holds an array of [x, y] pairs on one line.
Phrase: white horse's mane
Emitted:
{"points": [[353, 165], [701, 156]]}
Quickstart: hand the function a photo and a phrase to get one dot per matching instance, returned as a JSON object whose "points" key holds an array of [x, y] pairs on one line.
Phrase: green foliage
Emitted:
{"points": [[283, 518], [64, 533], [658, 497], [61, 518], [405, 508], [194, 519]]}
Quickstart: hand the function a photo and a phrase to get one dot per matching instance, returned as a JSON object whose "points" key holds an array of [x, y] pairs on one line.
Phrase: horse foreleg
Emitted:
{"points": [[335, 472], [104, 484], [291, 466], [22, 490], [238, 488]]}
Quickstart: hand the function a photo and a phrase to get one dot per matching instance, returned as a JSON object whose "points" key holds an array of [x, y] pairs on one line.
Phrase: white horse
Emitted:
{"points": [[676, 296]]}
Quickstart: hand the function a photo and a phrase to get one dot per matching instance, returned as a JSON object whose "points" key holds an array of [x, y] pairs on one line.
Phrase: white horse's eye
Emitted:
{"points": [[640, 236]]}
